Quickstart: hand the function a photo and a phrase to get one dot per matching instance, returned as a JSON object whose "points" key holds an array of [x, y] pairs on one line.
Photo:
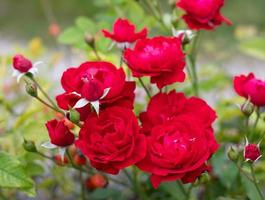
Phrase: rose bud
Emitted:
{"points": [[59, 160], [31, 89], [59, 133], [232, 154], [96, 181], [29, 146], [68, 123], [54, 29], [250, 88], [252, 152], [247, 108], [21, 63], [90, 40], [79, 159], [74, 116]]}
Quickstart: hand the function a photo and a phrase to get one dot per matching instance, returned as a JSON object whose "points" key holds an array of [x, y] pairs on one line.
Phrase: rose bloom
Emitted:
{"points": [[21, 63], [180, 138], [112, 140], [203, 14], [250, 87], [124, 32], [252, 152], [59, 133], [160, 58], [89, 81]]}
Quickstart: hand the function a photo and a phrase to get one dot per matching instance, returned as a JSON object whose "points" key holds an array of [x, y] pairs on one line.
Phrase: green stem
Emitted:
{"points": [[256, 182], [83, 192], [145, 88], [137, 185], [257, 118], [243, 172], [182, 189], [48, 105]]}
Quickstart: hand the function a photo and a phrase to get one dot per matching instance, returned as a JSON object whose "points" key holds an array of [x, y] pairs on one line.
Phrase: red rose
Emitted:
{"points": [[21, 63], [252, 152], [203, 14], [89, 81], [161, 58], [112, 140], [180, 137], [59, 133], [124, 31], [250, 87]]}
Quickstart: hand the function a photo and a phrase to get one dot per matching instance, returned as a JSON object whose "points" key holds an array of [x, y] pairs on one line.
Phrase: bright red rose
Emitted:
{"points": [[124, 31], [203, 14], [250, 87], [21, 63], [252, 152], [89, 81], [180, 138], [161, 58], [59, 133], [112, 140]]}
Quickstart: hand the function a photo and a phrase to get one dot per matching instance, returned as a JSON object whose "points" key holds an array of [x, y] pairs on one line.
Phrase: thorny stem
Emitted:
{"points": [[145, 88], [255, 181]]}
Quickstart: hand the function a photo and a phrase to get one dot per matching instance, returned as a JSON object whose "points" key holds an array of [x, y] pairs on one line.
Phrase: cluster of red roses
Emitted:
{"points": [[175, 137]]}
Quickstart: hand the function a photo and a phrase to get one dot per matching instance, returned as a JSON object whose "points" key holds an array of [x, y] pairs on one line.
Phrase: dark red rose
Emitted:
{"points": [[89, 81], [203, 14], [124, 31], [250, 87], [161, 58], [180, 137], [112, 140], [21, 63], [59, 133], [252, 152]]}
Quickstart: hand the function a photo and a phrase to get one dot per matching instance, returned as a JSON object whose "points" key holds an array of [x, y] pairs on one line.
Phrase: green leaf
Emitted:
{"points": [[250, 189], [85, 24], [254, 47], [13, 175], [71, 36]]}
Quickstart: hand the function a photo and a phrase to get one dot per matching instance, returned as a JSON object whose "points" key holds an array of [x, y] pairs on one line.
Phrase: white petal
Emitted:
{"points": [[15, 73], [33, 70], [95, 105], [48, 145], [81, 103], [76, 94], [105, 93], [38, 63], [19, 77], [62, 152]]}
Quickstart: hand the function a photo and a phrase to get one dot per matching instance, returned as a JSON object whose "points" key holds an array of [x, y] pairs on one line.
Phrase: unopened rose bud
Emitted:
{"points": [[29, 146], [204, 178], [252, 152], [31, 89], [247, 108], [79, 159], [21, 63], [233, 154], [74, 116], [90, 40], [96, 181], [59, 160]]}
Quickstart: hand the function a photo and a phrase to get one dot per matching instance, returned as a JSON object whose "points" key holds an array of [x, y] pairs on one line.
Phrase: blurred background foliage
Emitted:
{"points": [[25, 27]]}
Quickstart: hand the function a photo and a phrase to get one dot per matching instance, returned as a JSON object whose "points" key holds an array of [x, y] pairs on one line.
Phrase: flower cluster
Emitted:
{"points": [[174, 138]]}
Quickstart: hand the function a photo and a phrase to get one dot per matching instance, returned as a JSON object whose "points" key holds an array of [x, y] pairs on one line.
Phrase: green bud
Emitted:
{"points": [[204, 178], [31, 89], [247, 108], [90, 40], [74, 116], [233, 154], [29, 146]]}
